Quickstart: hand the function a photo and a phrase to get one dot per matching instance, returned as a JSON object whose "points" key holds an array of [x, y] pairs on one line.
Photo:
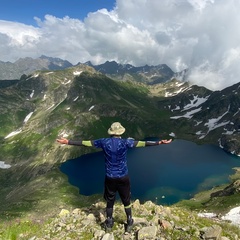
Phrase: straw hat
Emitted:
{"points": [[116, 129]]}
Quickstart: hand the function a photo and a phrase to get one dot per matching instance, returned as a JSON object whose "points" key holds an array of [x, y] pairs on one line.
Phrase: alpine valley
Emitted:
{"points": [[45, 98]]}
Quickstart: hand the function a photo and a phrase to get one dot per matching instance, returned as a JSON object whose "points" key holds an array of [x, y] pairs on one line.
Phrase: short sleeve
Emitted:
{"points": [[130, 143], [98, 143]]}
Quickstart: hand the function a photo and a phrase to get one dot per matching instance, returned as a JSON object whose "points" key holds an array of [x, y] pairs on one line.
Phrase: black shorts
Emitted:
{"points": [[120, 185]]}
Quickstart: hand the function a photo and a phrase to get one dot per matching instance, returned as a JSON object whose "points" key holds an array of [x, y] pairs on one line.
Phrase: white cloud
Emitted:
{"points": [[200, 4], [18, 33], [202, 35]]}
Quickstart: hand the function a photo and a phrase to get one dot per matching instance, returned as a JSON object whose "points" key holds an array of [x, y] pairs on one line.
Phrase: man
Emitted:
{"points": [[116, 179]]}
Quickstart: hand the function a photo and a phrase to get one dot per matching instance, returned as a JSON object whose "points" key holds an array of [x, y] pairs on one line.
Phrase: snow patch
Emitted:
{"points": [[66, 81], [27, 117], [197, 123], [170, 94], [77, 73], [4, 166], [233, 216], [176, 108], [179, 84], [32, 93], [51, 106], [36, 75], [19, 130], [172, 134], [229, 132], [207, 215], [236, 112], [13, 133], [214, 122], [195, 102], [91, 108], [188, 114]]}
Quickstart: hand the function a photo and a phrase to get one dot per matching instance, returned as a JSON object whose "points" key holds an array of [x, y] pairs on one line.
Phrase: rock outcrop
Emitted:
{"points": [[151, 222], [229, 190]]}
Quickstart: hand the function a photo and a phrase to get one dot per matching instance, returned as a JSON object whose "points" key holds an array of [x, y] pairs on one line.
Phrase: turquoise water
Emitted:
{"points": [[163, 174]]}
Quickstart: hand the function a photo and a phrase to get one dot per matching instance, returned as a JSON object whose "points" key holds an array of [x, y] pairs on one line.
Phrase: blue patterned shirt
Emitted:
{"points": [[115, 153]]}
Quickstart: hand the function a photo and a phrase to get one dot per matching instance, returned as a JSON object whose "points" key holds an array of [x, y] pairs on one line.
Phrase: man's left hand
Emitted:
{"points": [[165, 141]]}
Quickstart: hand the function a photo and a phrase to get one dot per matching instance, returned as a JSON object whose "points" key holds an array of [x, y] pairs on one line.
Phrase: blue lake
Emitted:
{"points": [[164, 174]]}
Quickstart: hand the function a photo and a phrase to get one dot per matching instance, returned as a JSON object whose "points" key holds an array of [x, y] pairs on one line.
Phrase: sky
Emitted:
{"points": [[200, 35]]}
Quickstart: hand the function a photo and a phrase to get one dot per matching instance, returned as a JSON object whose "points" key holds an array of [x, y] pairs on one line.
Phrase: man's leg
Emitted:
{"points": [[128, 211], [124, 190], [109, 196], [109, 210]]}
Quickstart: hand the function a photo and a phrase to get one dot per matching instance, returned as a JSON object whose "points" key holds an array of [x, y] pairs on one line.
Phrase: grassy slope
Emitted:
{"points": [[34, 185], [34, 154]]}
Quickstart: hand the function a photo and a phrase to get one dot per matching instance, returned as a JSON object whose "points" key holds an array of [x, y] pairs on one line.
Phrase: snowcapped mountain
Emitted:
{"points": [[210, 115]]}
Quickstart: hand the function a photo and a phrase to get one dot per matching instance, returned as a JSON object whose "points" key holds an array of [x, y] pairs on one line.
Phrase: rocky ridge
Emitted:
{"points": [[147, 74], [28, 65], [151, 221]]}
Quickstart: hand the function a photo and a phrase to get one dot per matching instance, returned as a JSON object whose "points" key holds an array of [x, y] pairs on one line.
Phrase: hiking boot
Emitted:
{"points": [[129, 225], [108, 224]]}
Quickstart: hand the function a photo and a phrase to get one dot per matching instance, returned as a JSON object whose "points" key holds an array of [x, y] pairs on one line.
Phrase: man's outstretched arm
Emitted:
{"points": [[86, 143], [151, 143]]}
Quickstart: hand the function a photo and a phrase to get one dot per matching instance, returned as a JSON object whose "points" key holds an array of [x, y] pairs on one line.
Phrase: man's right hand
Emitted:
{"points": [[62, 140]]}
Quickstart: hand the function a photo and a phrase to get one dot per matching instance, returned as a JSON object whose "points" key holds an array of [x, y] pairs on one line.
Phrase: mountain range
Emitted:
{"points": [[147, 74], [194, 105], [81, 101]]}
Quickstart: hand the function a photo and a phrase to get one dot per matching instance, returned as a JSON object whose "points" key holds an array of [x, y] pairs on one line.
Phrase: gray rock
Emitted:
{"points": [[147, 233], [108, 236], [225, 238], [212, 233], [99, 233]]}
